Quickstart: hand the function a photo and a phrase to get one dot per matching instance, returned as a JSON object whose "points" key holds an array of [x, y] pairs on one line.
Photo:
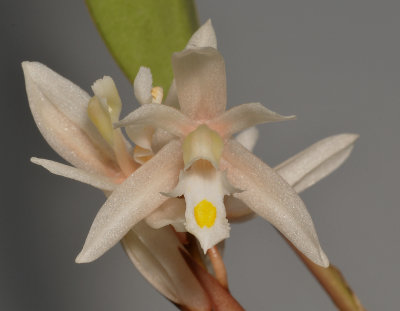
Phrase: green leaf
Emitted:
{"points": [[145, 33]]}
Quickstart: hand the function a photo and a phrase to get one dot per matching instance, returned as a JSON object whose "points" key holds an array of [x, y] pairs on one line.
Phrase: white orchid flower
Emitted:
{"points": [[188, 152], [203, 164]]}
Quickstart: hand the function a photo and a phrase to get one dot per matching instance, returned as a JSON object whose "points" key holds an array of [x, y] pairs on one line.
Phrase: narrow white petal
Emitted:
{"points": [[171, 212], [95, 180], [142, 86], [156, 255], [244, 116], [59, 109], [248, 138], [268, 195], [203, 37], [136, 198], [154, 116], [200, 82], [317, 161], [303, 169]]}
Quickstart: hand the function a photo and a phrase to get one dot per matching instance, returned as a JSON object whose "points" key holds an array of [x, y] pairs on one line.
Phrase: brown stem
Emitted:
{"points": [[333, 282], [218, 266]]}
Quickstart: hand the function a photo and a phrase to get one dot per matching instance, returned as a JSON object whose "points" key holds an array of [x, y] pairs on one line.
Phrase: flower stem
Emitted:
{"points": [[332, 280], [218, 266]]}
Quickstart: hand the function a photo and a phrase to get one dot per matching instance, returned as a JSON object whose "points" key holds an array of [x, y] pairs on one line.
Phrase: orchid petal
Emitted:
{"points": [[303, 169], [95, 180], [59, 109], [268, 195], [156, 255], [244, 116], [142, 86], [248, 138], [157, 116], [200, 82], [136, 198], [171, 212], [203, 37], [317, 161]]}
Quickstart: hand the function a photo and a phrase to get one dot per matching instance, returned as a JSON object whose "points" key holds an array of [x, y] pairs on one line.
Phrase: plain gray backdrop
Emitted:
{"points": [[335, 64]]}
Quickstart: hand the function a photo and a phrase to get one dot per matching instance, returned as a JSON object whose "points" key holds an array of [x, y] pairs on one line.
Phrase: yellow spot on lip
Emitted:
{"points": [[205, 213]]}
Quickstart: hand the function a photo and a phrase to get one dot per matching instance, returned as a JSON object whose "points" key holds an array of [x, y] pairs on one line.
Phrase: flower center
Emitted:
{"points": [[205, 213]]}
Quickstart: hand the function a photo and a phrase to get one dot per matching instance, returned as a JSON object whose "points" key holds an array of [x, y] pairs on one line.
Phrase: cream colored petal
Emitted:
{"points": [[171, 212], [244, 116], [248, 138], [267, 194], [200, 82], [59, 109], [303, 169], [97, 181], [156, 255], [203, 37], [136, 198], [142, 86], [317, 161], [154, 116]]}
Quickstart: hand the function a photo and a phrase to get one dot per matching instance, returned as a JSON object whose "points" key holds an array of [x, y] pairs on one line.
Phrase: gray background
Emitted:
{"points": [[335, 64]]}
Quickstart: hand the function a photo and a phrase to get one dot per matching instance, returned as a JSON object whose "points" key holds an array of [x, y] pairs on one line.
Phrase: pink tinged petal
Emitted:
{"points": [[59, 108], [136, 198], [244, 116], [201, 82], [317, 161], [268, 195], [154, 116], [171, 212], [203, 37], [248, 138], [95, 180], [156, 255], [221, 299]]}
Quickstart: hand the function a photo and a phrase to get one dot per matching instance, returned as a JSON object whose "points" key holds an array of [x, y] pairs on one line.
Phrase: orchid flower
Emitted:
{"points": [[186, 170], [203, 164]]}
